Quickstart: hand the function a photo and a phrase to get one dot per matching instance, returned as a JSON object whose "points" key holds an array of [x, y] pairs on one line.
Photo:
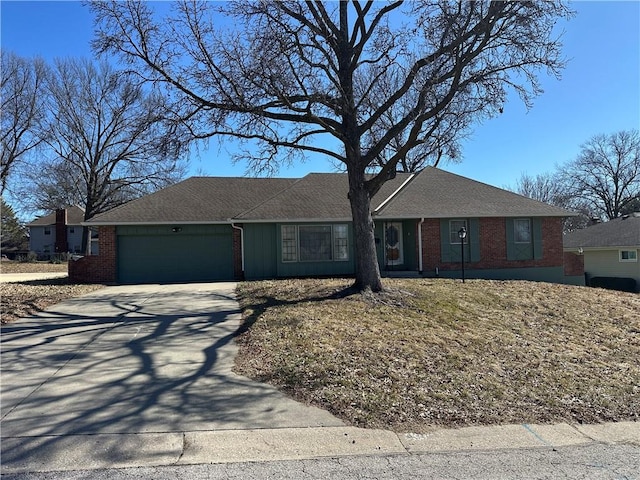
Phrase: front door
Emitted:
{"points": [[393, 243]]}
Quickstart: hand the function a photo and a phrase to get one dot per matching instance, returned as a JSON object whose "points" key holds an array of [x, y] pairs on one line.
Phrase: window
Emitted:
{"points": [[454, 228], [315, 243], [289, 243], [340, 243], [95, 241], [522, 230], [47, 230], [628, 255]]}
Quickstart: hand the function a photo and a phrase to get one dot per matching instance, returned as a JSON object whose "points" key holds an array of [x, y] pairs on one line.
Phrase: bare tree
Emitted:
{"points": [[441, 142], [606, 174], [21, 111], [543, 187], [107, 141], [631, 207], [550, 188], [288, 76]]}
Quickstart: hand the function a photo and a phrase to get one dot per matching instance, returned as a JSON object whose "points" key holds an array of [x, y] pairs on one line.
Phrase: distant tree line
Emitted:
{"points": [[600, 184], [13, 235]]}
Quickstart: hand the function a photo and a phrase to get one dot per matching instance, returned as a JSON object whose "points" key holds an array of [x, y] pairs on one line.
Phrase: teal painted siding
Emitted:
{"points": [[128, 230], [260, 251], [308, 269], [410, 244], [474, 239], [535, 274], [156, 254], [524, 251]]}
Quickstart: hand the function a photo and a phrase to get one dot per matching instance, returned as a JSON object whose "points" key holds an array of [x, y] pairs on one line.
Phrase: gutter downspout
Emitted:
{"points": [[420, 245], [233, 225]]}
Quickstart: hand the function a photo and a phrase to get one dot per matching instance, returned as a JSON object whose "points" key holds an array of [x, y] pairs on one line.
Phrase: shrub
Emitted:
{"points": [[30, 257], [59, 258], [614, 283]]}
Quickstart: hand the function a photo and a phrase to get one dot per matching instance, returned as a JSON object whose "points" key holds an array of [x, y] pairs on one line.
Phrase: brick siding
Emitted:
{"points": [[99, 268], [573, 264], [493, 246]]}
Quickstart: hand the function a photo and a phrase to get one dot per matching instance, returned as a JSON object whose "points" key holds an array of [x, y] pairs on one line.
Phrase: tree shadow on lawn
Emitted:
{"points": [[260, 304]]}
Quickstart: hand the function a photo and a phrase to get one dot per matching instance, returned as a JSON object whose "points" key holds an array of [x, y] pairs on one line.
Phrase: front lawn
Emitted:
{"points": [[436, 352], [9, 266], [22, 299]]}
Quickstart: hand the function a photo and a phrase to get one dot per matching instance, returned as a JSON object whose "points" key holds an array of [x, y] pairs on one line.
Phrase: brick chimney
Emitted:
{"points": [[61, 230]]}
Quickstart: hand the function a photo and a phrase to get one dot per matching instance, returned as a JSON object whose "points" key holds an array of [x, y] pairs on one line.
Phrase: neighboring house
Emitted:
{"points": [[58, 232], [211, 228], [610, 249]]}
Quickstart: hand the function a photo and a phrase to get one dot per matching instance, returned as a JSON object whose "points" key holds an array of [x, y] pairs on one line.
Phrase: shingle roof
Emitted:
{"points": [[435, 193], [316, 196], [620, 232], [75, 216], [197, 200]]}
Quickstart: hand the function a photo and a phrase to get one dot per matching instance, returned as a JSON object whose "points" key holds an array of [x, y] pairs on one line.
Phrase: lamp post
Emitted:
{"points": [[462, 233]]}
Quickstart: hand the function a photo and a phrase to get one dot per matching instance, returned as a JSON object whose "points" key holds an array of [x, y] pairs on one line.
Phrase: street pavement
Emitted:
{"points": [[139, 377], [587, 462]]}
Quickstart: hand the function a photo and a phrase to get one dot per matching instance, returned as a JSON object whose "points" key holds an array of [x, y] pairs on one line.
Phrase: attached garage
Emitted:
{"points": [[174, 253]]}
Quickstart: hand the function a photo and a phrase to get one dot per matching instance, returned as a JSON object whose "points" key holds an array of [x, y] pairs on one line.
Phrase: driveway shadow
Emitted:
{"points": [[155, 362]]}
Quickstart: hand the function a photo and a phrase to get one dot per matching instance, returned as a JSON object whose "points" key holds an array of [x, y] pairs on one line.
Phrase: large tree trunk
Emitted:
{"points": [[366, 260]]}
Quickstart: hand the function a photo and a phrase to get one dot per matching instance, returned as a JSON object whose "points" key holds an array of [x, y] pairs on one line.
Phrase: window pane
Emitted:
{"points": [[629, 255], [289, 243], [340, 243], [522, 230], [454, 228], [315, 243]]}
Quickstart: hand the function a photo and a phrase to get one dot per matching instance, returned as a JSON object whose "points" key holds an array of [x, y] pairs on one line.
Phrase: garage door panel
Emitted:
{"points": [[175, 258]]}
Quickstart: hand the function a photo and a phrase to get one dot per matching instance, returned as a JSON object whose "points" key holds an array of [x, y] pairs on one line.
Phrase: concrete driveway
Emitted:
{"points": [[131, 360]]}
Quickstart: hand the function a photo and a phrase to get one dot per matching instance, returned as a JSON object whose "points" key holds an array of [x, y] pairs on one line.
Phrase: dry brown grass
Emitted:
{"points": [[22, 299], [436, 352], [32, 267]]}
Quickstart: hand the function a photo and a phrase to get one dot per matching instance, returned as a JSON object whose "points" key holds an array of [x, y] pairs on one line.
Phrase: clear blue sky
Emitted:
{"points": [[599, 91]]}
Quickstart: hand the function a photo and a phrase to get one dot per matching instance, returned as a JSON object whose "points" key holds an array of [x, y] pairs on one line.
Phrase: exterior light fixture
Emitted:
{"points": [[176, 229], [462, 233]]}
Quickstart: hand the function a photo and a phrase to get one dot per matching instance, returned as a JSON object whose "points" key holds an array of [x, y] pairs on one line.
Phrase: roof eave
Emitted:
{"points": [[291, 220], [469, 215], [164, 222], [600, 247]]}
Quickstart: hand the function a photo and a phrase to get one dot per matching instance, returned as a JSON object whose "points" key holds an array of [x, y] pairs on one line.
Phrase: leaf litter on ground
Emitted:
{"points": [[437, 352]]}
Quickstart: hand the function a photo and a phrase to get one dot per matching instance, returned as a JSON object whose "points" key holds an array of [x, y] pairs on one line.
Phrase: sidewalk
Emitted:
{"points": [[87, 452], [28, 277]]}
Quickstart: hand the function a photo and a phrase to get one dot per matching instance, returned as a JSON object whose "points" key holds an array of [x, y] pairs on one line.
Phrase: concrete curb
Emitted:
{"points": [[85, 452]]}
